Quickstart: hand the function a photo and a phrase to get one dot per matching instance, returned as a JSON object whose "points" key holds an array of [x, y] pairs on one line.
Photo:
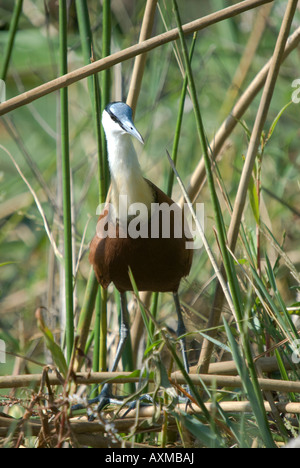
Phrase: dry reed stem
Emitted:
{"points": [[228, 406], [126, 54], [85, 378], [266, 364], [140, 60]]}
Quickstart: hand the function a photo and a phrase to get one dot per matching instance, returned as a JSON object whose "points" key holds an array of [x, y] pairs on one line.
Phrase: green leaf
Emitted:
{"points": [[270, 273], [241, 261], [55, 350], [202, 432], [254, 202], [152, 346], [275, 121], [216, 342], [294, 309]]}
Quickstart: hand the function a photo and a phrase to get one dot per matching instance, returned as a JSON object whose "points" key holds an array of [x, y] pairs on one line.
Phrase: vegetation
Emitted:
{"points": [[223, 101]]}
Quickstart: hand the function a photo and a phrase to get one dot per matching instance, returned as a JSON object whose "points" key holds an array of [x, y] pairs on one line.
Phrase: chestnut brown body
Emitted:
{"points": [[157, 264]]}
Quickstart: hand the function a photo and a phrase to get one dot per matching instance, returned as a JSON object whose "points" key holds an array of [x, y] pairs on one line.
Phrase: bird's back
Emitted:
{"points": [[157, 263]]}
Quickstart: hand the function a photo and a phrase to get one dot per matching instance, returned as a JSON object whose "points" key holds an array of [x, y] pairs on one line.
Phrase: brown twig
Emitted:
{"points": [[125, 377]]}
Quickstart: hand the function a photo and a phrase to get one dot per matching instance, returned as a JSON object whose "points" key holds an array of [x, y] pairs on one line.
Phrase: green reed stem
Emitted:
{"points": [[98, 295], [102, 99], [87, 310], [66, 180], [85, 33], [179, 122], [11, 38]]}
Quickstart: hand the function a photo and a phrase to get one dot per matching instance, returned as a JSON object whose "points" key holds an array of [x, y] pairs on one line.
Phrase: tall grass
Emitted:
{"points": [[66, 181], [178, 99], [12, 34]]}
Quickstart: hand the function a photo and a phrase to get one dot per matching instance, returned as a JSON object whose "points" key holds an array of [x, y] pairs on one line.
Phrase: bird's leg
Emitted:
{"points": [[181, 330], [124, 331], [105, 395]]}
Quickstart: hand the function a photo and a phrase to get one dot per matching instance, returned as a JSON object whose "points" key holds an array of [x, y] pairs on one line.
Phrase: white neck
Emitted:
{"points": [[126, 174]]}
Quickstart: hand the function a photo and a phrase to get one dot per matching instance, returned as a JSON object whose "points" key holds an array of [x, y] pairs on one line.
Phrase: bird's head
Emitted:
{"points": [[117, 120]]}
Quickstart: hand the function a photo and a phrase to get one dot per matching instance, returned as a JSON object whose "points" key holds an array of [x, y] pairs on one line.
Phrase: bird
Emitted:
{"points": [[137, 239]]}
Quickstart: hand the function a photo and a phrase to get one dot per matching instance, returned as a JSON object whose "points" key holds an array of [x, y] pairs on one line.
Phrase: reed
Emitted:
{"points": [[66, 181], [12, 34]]}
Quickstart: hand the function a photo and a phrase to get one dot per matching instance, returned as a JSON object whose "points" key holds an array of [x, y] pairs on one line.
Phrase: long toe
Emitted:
{"points": [[104, 398], [142, 399], [100, 402]]}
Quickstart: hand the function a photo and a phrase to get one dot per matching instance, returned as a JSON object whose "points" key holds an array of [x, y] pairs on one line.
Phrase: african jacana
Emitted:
{"points": [[157, 263]]}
